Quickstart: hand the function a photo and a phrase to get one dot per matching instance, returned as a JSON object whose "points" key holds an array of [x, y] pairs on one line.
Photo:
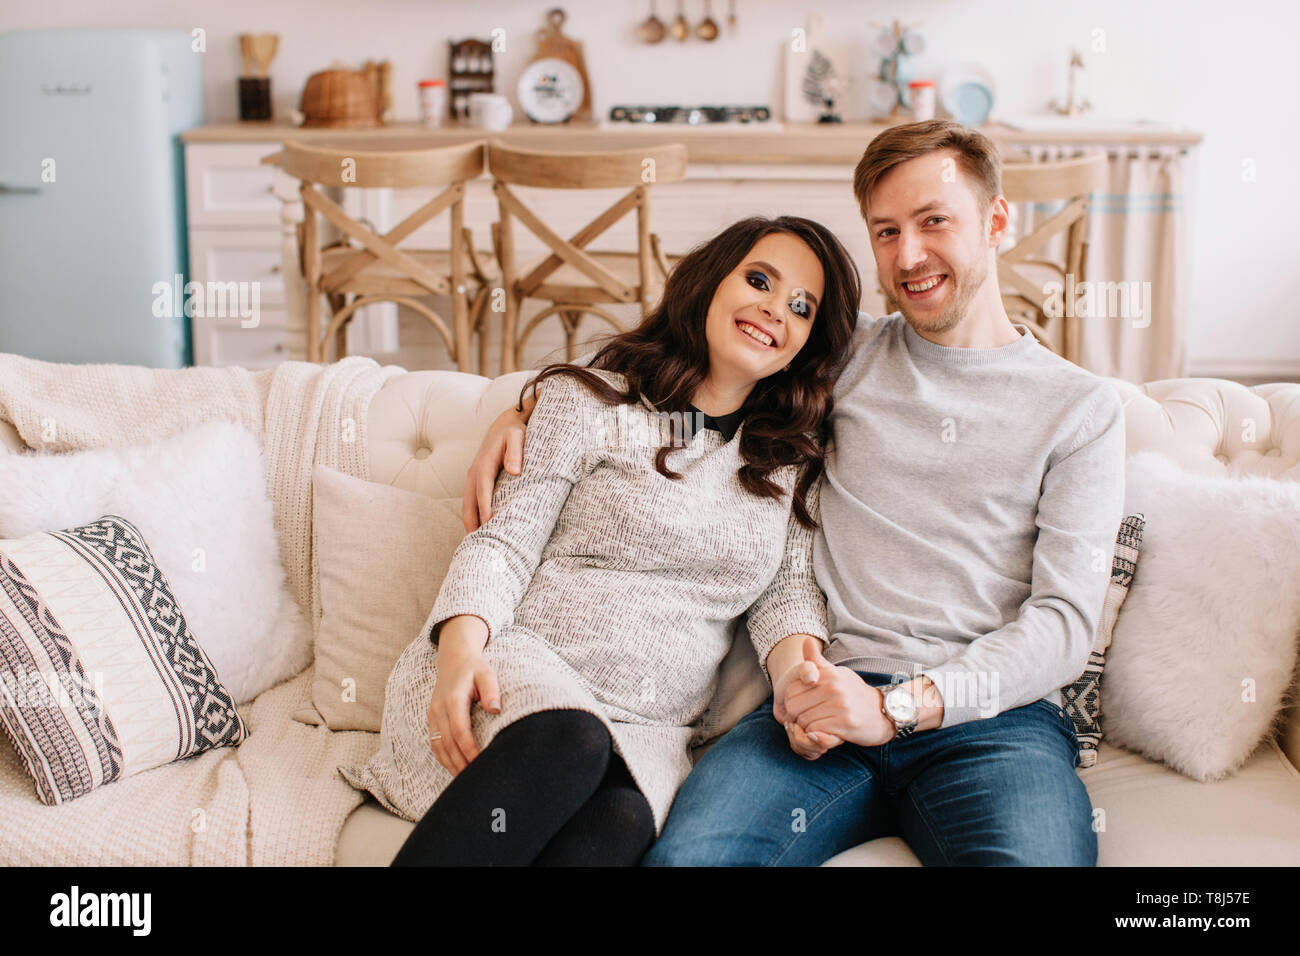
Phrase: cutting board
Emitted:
{"points": [[552, 43]]}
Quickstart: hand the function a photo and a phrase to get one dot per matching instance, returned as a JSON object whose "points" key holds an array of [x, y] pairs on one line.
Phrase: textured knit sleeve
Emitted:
{"points": [[1047, 645], [492, 567], [792, 603]]}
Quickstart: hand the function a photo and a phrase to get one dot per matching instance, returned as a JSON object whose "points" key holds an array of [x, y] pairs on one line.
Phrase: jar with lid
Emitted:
{"points": [[922, 93], [433, 102]]}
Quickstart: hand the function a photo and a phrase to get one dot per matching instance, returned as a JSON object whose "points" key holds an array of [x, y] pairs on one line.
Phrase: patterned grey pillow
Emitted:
{"points": [[1083, 697], [100, 675]]}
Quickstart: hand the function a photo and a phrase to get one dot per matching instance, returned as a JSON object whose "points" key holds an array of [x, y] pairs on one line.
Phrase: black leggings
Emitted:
{"points": [[547, 791]]}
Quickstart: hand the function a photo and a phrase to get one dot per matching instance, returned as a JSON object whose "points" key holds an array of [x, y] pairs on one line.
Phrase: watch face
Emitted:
{"points": [[900, 706]]}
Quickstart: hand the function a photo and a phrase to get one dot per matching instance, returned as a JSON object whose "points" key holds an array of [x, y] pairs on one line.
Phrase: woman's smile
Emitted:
{"points": [[756, 335]]}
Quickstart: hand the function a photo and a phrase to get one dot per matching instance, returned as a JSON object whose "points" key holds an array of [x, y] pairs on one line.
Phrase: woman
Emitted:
{"points": [[587, 618]]}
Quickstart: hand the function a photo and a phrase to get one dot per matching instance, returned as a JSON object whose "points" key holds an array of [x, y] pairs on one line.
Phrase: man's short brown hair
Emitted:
{"points": [[976, 155]]}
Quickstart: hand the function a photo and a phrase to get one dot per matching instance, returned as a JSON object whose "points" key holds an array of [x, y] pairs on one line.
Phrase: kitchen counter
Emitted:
{"points": [[806, 144]]}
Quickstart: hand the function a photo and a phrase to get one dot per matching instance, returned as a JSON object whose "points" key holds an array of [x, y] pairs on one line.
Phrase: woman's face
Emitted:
{"points": [[773, 294]]}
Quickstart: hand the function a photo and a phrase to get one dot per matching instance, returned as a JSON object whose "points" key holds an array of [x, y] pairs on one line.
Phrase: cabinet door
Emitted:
{"points": [[240, 255], [227, 185], [274, 340]]}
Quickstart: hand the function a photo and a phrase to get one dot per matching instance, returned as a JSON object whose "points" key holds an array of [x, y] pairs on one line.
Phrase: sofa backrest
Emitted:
{"points": [[1212, 426], [425, 427]]}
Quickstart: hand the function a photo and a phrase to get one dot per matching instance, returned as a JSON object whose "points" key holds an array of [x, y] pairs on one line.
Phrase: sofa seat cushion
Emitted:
{"points": [[1154, 816]]}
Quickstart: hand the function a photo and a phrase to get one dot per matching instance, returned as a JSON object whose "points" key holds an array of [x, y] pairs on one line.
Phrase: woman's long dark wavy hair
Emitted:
{"points": [[666, 357]]}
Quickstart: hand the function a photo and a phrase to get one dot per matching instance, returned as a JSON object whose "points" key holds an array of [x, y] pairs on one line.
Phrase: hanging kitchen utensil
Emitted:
{"points": [[708, 28], [681, 30], [652, 29], [551, 42], [731, 14]]}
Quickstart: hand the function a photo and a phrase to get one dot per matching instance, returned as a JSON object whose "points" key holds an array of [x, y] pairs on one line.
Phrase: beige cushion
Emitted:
{"points": [[383, 555]]}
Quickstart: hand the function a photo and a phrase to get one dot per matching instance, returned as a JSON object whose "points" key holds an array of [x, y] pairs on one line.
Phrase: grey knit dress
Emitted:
{"points": [[607, 588]]}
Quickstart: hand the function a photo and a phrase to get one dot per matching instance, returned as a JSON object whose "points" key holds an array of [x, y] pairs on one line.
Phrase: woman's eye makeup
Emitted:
{"points": [[799, 305]]}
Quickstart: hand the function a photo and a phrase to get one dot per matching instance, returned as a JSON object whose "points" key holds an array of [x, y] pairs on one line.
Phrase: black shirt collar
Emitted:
{"points": [[726, 424]]}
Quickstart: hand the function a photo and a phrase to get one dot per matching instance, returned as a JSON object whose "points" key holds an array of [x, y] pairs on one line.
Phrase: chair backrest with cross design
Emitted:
{"points": [[377, 268], [1025, 270], [572, 279]]}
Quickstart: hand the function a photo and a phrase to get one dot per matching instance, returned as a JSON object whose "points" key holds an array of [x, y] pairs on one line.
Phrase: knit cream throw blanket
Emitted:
{"points": [[302, 413], [276, 799]]}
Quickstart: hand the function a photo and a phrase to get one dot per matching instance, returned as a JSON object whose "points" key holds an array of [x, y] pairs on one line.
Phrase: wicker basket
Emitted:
{"points": [[339, 98]]}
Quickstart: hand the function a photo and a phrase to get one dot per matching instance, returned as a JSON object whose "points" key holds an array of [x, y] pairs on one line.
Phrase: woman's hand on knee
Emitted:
{"points": [[462, 679]]}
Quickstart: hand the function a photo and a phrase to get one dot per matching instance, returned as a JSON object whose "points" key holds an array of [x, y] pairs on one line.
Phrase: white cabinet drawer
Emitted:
{"points": [[240, 255], [224, 342], [227, 185]]}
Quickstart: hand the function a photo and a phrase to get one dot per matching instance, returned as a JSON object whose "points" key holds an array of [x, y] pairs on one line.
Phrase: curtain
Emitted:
{"points": [[1138, 236]]}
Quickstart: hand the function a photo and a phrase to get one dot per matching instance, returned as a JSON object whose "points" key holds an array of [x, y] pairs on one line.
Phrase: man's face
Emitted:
{"points": [[931, 239]]}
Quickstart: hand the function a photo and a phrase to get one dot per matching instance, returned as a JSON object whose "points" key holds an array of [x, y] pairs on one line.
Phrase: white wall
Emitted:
{"points": [[1229, 71]]}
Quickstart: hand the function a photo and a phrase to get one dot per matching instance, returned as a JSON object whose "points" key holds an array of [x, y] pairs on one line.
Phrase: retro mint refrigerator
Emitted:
{"points": [[92, 194]]}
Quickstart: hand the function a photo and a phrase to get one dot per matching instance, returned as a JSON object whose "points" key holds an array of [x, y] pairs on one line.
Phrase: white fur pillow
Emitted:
{"points": [[1204, 649], [199, 498]]}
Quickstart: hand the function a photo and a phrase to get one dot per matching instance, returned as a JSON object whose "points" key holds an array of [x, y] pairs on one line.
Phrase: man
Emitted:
{"points": [[968, 514]]}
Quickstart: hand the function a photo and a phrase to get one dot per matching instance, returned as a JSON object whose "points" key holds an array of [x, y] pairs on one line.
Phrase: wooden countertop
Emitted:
{"points": [[796, 143]]}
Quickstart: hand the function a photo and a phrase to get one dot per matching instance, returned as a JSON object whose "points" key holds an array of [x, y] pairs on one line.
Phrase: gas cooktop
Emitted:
{"points": [[760, 116]]}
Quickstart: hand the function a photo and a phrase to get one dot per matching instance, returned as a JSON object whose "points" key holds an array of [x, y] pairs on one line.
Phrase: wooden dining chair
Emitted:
{"points": [[571, 279], [365, 267], [1025, 269]]}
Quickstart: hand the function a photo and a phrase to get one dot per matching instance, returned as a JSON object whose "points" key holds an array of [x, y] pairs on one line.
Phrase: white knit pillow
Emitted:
{"points": [[199, 498], [1204, 649]]}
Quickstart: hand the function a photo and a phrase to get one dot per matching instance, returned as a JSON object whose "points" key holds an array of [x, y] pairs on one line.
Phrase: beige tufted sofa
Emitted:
{"points": [[426, 426]]}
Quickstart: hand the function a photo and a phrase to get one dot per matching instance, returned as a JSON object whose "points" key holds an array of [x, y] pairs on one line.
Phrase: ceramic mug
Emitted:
{"points": [[490, 111]]}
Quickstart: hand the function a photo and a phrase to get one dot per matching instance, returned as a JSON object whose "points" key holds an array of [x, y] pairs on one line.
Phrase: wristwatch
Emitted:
{"points": [[902, 708]]}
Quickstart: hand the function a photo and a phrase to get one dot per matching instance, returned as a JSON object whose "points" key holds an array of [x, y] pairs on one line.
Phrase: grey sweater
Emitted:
{"points": [[969, 513]]}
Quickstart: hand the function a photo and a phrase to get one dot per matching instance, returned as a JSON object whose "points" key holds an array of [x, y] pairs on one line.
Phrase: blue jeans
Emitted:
{"points": [[995, 791]]}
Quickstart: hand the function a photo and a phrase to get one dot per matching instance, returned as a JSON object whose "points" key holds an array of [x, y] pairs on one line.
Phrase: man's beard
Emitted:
{"points": [[964, 287]]}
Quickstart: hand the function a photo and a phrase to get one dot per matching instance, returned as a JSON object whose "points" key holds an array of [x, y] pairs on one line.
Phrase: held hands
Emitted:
{"points": [[836, 704], [796, 678], [463, 677], [503, 444]]}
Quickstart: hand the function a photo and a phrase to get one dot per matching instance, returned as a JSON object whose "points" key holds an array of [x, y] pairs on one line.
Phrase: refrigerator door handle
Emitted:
{"points": [[9, 188]]}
